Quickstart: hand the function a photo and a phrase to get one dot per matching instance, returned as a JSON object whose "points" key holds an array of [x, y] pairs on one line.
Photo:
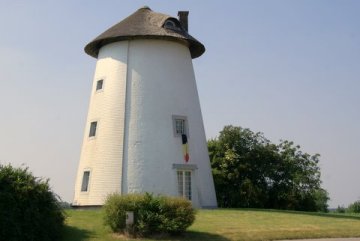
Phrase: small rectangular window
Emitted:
{"points": [[184, 184], [99, 85], [85, 181], [180, 125], [92, 129]]}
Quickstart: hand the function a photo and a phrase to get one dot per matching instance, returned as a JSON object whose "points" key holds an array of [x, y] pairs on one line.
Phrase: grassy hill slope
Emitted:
{"points": [[229, 224]]}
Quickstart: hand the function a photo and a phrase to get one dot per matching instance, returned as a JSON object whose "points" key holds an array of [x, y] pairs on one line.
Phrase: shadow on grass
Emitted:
{"points": [[75, 234], [188, 235], [318, 214]]}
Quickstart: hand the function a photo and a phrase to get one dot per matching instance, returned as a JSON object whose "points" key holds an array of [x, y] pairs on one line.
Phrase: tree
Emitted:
{"points": [[29, 210], [250, 171], [354, 207]]}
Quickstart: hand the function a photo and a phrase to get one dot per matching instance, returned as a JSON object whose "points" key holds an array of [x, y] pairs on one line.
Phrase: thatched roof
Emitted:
{"points": [[146, 24]]}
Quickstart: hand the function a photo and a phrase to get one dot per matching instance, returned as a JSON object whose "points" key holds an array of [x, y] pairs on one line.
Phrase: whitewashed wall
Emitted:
{"points": [[103, 154], [159, 80]]}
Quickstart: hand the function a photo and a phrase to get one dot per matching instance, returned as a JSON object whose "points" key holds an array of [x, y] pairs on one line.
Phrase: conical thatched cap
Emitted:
{"points": [[146, 24]]}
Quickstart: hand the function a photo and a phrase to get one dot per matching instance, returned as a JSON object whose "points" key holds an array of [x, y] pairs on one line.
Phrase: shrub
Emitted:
{"points": [[29, 210], [153, 214], [115, 209], [354, 207], [340, 209]]}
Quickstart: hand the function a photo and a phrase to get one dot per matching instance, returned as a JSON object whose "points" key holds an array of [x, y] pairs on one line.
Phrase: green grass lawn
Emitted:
{"points": [[229, 224]]}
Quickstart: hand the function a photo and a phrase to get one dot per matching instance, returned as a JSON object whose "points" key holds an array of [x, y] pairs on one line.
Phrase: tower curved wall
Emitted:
{"points": [[146, 84]]}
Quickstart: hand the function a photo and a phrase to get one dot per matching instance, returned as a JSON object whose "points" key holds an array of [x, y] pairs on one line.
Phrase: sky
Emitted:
{"points": [[289, 69]]}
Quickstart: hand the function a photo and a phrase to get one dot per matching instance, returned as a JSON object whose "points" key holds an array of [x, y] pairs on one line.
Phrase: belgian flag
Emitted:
{"points": [[185, 147]]}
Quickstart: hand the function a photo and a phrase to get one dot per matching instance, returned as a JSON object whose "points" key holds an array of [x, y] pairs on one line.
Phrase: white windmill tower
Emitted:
{"points": [[144, 130]]}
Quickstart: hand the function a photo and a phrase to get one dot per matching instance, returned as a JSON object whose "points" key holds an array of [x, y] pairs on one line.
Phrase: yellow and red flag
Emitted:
{"points": [[185, 147]]}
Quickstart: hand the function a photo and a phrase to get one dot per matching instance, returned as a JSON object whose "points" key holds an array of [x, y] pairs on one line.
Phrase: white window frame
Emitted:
{"points": [[93, 135], [82, 189], [175, 119], [184, 183], [102, 85]]}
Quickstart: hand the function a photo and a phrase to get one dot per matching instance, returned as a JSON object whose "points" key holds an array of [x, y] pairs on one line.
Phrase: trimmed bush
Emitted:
{"points": [[29, 210], [153, 214]]}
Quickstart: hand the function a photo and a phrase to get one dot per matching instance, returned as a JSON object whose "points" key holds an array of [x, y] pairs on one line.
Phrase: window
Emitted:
{"points": [[172, 24], [169, 24], [184, 184], [99, 85], [180, 125], [85, 181], [92, 129]]}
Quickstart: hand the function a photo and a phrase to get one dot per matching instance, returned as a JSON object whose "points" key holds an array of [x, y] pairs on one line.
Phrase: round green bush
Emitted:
{"points": [[153, 214], [29, 210]]}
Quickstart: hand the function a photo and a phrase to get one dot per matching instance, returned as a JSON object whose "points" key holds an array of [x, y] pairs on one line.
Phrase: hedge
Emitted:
{"points": [[153, 214], [29, 210]]}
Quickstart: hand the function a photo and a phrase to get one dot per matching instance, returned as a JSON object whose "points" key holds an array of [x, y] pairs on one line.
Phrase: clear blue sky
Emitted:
{"points": [[290, 69]]}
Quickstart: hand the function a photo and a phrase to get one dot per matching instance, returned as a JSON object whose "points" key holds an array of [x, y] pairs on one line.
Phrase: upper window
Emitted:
{"points": [[85, 181], [92, 131], [99, 85], [172, 24], [169, 23], [180, 125]]}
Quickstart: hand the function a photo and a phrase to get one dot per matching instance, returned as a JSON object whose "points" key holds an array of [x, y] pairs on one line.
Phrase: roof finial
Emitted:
{"points": [[145, 7]]}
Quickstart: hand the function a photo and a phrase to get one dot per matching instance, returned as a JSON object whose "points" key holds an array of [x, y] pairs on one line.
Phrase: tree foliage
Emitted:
{"points": [[29, 210], [250, 171], [354, 207]]}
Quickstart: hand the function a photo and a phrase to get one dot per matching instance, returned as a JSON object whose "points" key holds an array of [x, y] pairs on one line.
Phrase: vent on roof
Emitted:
{"points": [[183, 18]]}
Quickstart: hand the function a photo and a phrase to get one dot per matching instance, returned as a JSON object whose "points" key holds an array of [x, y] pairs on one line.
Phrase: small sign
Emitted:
{"points": [[129, 218]]}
